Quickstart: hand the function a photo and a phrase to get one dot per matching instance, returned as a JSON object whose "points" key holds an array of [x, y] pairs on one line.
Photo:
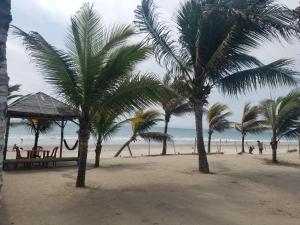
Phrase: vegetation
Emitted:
{"points": [[176, 105], [12, 92], [217, 118], [37, 127], [250, 123], [104, 126], [282, 118], [215, 39], [141, 123], [96, 71]]}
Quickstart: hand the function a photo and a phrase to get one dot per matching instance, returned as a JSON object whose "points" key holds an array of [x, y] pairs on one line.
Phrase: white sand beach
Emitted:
{"points": [[242, 190]]}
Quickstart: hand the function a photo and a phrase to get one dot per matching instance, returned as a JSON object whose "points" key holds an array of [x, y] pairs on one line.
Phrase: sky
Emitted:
{"points": [[51, 19]]}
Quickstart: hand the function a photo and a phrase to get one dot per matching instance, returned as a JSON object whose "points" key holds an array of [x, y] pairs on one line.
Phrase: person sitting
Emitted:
{"points": [[251, 148]]}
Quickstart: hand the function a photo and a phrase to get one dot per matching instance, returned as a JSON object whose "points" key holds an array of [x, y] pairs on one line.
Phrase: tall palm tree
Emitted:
{"points": [[215, 39], [104, 126], [282, 118], [176, 105], [250, 123], [5, 19], [37, 127], [141, 123], [96, 71], [217, 118]]}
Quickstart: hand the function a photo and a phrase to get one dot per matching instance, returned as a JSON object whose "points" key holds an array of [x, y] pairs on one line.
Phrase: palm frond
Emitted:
{"points": [[158, 34], [274, 74], [217, 117], [155, 136], [55, 65]]}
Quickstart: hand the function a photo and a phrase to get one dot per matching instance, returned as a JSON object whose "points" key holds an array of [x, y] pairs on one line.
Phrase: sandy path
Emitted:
{"points": [[243, 190]]}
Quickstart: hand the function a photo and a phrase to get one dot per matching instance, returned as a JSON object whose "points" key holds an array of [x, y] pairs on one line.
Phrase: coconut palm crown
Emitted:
{"points": [[282, 117], [141, 124], [95, 71], [217, 118], [215, 38], [176, 105], [104, 126], [250, 123]]}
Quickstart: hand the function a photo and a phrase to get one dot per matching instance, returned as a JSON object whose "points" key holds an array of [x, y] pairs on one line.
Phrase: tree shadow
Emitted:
{"points": [[281, 163]]}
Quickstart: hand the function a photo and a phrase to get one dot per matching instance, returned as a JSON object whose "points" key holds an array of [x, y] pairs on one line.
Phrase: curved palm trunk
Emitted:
{"points": [[243, 143], [203, 163], [209, 141], [98, 152], [84, 135], [167, 120], [5, 19], [274, 145], [125, 145]]}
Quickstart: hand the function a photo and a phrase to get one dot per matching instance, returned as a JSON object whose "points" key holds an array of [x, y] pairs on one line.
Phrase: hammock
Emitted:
{"points": [[67, 146]]}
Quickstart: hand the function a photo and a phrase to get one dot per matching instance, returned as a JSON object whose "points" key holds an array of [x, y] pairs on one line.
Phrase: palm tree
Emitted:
{"points": [[250, 123], [96, 71], [11, 92], [37, 127], [104, 126], [217, 115], [176, 105], [282, 118], [215, 39], [5, 19], [141, 123]]}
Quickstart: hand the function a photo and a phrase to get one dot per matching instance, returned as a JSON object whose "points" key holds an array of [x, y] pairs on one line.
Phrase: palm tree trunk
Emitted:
{"points": [[209, 141], [167, 120], [98, 152], [84, 135], [274, 145], [243, 143], [125, 145], [36, 139], [203, 163], [299, 145], [5, 19]]}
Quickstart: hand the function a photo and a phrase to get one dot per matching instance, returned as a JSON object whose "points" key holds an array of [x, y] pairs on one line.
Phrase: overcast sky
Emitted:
{"points": [[51, 18]]}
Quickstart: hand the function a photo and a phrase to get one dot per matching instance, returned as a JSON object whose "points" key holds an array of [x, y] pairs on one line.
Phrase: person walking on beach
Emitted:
{"points": [[260, 147]]}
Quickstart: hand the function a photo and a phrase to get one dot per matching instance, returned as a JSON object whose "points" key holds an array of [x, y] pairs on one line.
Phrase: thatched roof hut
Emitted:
{"points": [[40, 105]]}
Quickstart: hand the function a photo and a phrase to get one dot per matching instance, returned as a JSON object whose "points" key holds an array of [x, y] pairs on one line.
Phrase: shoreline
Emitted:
{"points": [[139, 149]]}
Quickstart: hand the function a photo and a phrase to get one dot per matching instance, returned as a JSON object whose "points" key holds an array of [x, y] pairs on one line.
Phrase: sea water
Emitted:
{"points": [[21, 136]]}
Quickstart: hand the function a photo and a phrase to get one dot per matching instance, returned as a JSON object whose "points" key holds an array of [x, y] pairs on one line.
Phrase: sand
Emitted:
{"points": [[243, 190]]}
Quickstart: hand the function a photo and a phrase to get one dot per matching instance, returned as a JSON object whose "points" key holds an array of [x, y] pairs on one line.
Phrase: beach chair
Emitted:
{"points": [[19, 156], [53, 155], [36, 152]]}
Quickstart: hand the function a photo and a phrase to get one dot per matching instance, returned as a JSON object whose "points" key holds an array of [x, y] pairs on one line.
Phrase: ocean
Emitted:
{"points": [[21, 136]]}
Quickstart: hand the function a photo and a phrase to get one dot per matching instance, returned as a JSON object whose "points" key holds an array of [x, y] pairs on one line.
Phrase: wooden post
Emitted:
{"points": [[149, 148], [6, 137], [62, 126], [129, 150]]}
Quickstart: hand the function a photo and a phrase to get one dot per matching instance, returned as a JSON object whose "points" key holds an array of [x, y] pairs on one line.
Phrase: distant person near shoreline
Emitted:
{"points": [[260, 146]]}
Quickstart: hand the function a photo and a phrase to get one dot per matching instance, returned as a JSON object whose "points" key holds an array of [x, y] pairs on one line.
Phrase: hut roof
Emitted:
{"points": [[40, 105]]}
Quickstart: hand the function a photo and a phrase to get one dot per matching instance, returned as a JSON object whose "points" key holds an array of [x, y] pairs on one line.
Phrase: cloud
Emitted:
{"points": [[50, 18]]}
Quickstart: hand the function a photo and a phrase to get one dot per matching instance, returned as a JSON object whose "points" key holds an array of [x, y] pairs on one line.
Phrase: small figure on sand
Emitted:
{"points": [[251, 148], [260, 146]]}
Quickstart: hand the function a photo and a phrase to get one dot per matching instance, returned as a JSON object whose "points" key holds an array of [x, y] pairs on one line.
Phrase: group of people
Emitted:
{"points": [[260, 146]]}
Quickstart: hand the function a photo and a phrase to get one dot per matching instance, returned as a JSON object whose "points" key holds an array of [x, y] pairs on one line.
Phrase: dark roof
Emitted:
{"points": [[40, 105]]}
